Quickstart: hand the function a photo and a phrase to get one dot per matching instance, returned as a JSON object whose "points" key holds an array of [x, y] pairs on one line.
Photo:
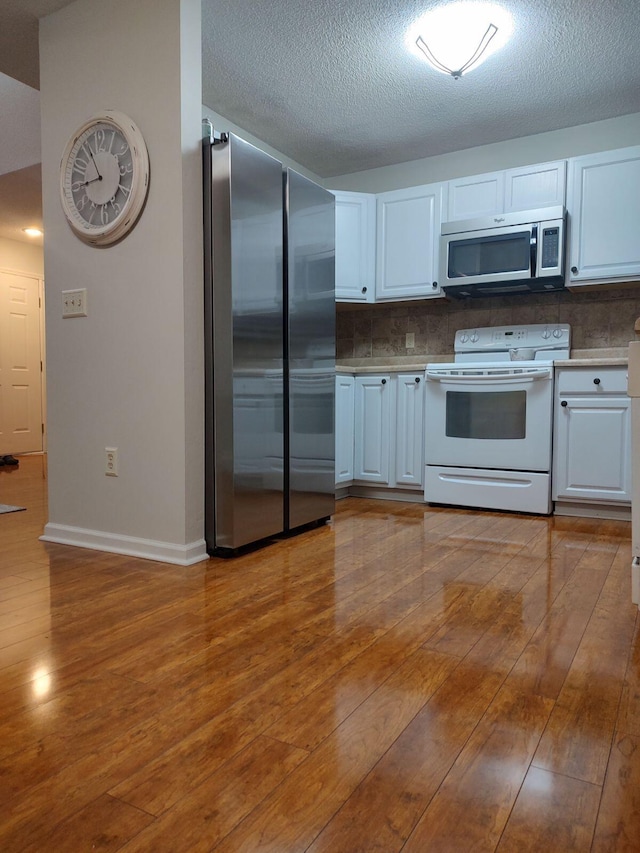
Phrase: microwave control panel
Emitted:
{"points": [[550, 247]]}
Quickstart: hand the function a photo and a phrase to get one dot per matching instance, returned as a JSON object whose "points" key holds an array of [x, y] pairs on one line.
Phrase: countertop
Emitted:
{"points": [[610, 357]]}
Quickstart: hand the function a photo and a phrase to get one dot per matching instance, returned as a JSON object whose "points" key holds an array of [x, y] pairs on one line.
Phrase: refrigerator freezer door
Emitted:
{"points": [[245, 349], [310, 388]]}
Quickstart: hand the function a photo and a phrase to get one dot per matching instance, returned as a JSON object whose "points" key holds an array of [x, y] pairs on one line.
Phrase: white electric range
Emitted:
{"points": [[489, 418]]}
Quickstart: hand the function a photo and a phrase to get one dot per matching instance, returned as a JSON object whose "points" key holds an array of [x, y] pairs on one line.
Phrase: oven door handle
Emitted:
{"points": [[487, 378]]}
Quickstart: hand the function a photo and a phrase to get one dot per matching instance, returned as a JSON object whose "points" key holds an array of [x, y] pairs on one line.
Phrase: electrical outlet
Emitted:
{"points": [[410, 340], [74, 303], [111, 461]]}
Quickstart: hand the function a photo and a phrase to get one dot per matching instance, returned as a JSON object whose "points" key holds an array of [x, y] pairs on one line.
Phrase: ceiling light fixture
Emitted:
{"points": [[477, 54], [459, 36], [32, 232]]}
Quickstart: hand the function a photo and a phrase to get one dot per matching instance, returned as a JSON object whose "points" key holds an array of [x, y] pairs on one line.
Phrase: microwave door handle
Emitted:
{"points": [[533, 249]]}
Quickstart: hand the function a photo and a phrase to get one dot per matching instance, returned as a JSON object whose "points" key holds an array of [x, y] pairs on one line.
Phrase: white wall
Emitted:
{"points": [[130, 375], [17, 256], [554, 145]]}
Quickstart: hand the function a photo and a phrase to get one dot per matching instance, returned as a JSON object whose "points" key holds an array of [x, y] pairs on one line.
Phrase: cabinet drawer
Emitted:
{"points": [[593, 380]]}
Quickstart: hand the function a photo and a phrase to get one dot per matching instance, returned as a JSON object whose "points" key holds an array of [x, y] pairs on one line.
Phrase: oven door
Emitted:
{"points": [[492, 418]]}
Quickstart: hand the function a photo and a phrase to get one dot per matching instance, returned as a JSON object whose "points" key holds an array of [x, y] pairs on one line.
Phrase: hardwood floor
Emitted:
{"points": [[407, 678]]}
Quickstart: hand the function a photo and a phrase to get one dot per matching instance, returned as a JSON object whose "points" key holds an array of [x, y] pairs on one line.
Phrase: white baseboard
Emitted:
{"points": [[635, 582], [130, 546]]}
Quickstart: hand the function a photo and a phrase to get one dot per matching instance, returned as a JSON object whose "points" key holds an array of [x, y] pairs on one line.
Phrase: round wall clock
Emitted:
{"points": [[104, 178]]}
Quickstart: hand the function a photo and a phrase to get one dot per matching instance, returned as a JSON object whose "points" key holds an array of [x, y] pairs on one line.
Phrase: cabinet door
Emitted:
{"points": [[345, 413], [408, 236], [372, 429], [409, 438], [592, 459], [478, 195], [355, 247], [530, 187], [603, 201]]}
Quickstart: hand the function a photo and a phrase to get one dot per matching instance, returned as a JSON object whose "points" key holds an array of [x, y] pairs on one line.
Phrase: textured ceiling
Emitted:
{"points": [[331, 84]]}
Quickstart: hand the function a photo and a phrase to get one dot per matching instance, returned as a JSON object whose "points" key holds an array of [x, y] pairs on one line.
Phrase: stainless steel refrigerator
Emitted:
{"points": [[269, 347]]}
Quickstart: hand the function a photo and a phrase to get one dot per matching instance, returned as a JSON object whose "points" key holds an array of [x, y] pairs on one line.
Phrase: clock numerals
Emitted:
{"points": [[80, 165], [126, 169]]}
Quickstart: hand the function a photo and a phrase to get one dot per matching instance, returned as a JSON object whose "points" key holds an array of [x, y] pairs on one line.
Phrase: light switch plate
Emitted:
{"points": [[74, 303]]}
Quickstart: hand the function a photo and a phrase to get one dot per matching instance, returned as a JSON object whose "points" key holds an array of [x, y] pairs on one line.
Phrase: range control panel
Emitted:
{"points": [[495, 339]]}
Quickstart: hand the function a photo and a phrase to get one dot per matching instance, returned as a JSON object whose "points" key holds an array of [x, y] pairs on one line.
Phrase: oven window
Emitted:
{"points": [[495, 415], [490, 255]]}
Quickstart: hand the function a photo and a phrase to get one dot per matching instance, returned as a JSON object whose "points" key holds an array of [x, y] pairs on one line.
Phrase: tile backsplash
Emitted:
{"points": [[599, 319]]}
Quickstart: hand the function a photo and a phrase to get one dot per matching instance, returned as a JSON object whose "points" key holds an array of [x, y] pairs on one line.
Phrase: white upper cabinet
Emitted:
{"points": [[478, 195], [529, 187], [603, 202], [355, 246], [524, 188], [408, 235]]}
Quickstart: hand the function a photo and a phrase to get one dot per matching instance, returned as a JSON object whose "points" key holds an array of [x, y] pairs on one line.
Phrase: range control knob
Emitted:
{"points": [[557, 333], [464, 337], [474, 338], [546, 334]]}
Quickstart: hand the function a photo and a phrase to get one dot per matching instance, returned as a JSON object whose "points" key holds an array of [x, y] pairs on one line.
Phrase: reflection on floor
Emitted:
{"points": [[405, 678]]}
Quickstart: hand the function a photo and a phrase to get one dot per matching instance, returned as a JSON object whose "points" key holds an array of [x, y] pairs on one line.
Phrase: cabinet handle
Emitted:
{"points": [[434, 285], [596, 381], [418, 379], [564, 404], [364, 289], [384, 381], [574, 270]]}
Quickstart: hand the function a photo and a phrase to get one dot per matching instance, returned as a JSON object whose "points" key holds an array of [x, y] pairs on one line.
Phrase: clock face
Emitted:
{"points": [[104, 178]]}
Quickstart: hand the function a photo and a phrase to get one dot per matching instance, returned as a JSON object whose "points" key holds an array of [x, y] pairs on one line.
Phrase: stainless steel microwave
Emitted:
{"points": [[509, 253]]}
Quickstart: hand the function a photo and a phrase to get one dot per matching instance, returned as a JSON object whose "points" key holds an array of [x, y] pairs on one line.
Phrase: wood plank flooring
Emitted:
{"points": [[407, 678]]}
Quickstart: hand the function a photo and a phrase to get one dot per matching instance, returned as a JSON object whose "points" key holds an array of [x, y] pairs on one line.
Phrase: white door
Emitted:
{"points": [[530, 187], [593, 449], [408, 238], [478, 195], [20, 364], [409, 430], [345, 413], [603, 201], [372, 429], [355, 247]]}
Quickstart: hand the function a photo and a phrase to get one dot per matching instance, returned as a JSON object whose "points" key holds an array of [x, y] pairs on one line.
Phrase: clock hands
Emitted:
{"points": [[99, 178]]}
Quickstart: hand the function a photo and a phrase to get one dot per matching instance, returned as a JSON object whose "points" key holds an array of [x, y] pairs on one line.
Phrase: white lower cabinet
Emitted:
{"points": [[372, 429], [345, 413], [592, 437], [409, 422], [380, 430]]}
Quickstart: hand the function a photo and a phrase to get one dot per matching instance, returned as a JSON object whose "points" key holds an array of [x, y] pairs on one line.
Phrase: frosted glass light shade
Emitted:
{"points": [[457, 33]]}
